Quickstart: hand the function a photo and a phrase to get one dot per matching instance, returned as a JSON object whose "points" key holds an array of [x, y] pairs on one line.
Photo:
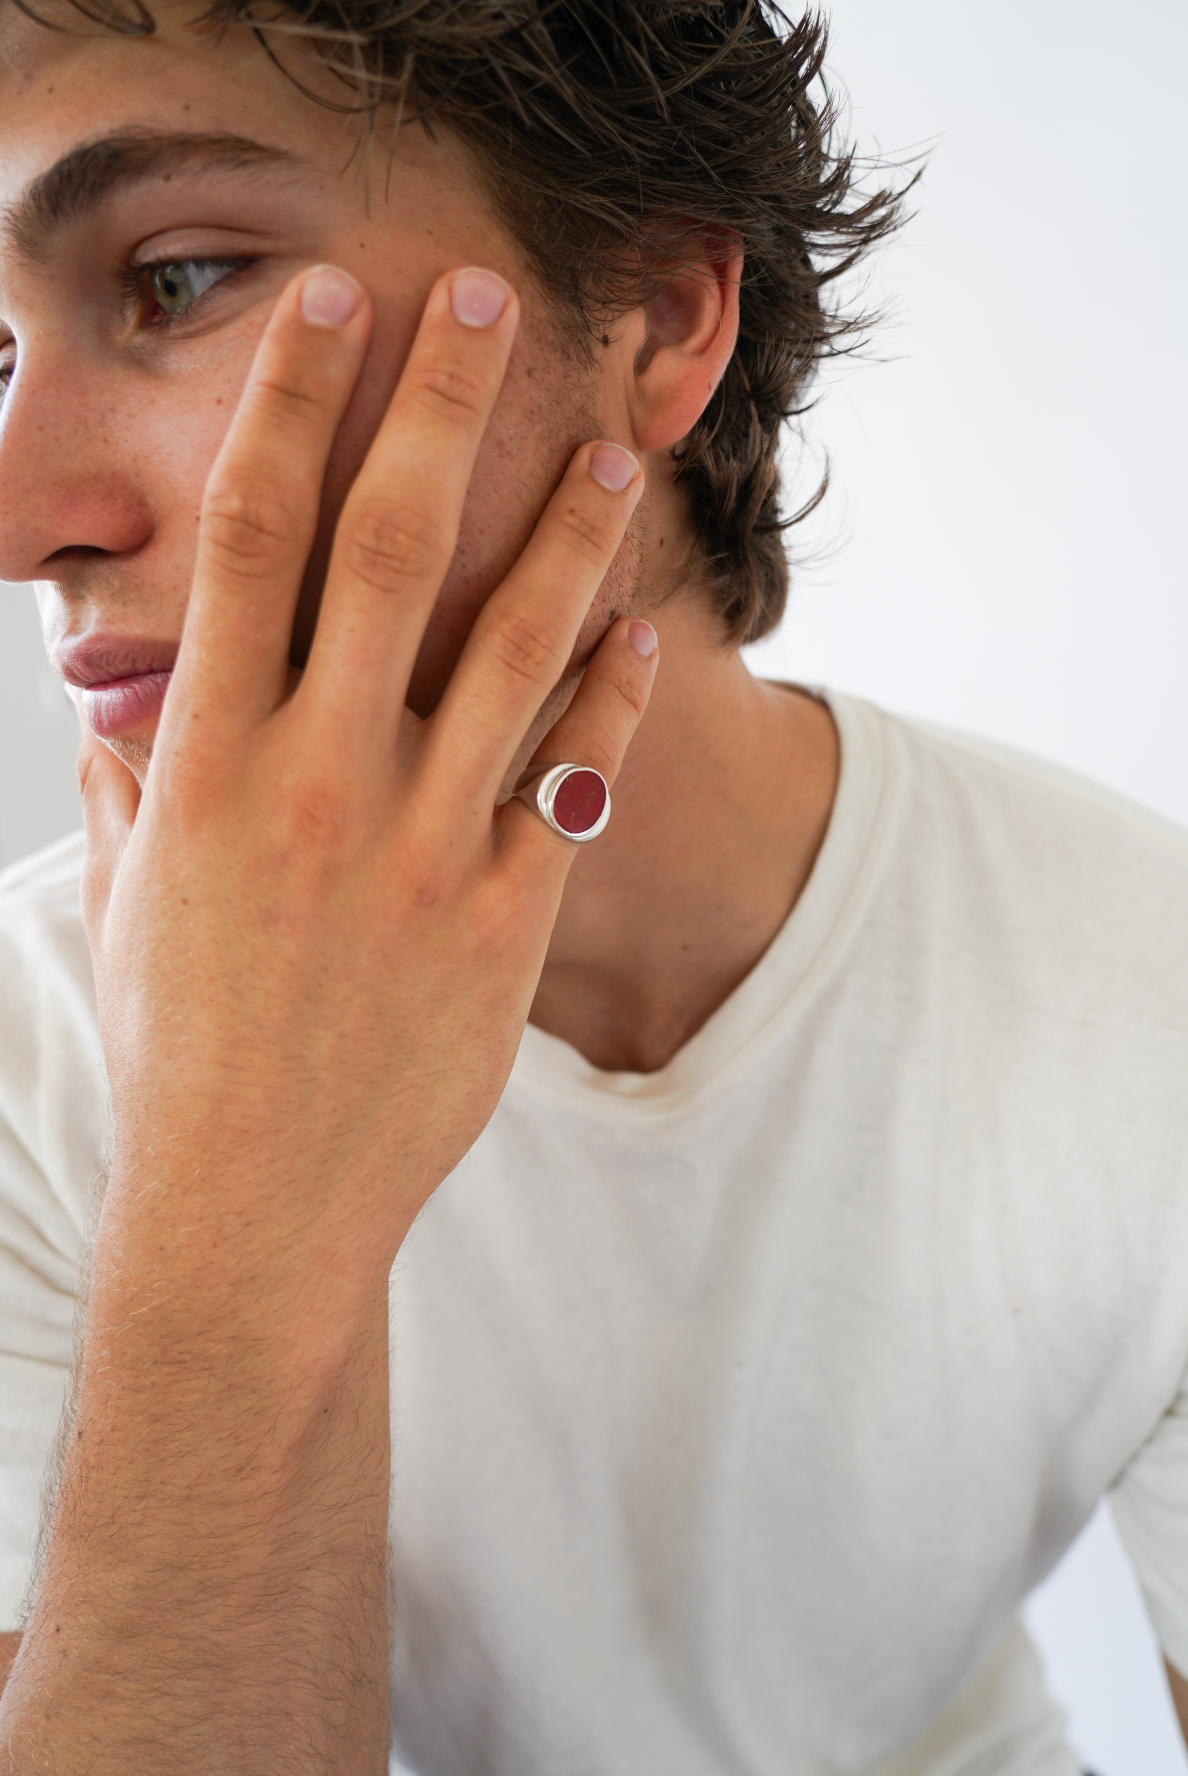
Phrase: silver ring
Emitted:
{"points": [[573, 799]]}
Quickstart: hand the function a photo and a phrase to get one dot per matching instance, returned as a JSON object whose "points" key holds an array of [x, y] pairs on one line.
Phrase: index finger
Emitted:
{"points": [[261, 504]]}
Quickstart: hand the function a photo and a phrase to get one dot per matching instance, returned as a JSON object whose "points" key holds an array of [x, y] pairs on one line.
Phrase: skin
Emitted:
{"points": [[664, 916], [448, 592]]}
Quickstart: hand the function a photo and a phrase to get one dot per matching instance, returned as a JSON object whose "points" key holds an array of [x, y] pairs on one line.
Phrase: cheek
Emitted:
{"points": [[153, 445], [529, 441], [180, 428], [167, 433]]}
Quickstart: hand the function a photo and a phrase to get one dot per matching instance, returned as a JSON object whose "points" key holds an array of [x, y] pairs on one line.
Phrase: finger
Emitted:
{"points": [[261, 503], [525, 633], [110, 799], [399, 527], [595, 730]]}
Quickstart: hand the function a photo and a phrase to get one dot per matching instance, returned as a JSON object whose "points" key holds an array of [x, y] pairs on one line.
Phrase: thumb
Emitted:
{"points": [[110, 798]]}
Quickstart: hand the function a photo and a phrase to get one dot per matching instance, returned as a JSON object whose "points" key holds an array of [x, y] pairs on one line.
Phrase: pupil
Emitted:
{"points": [[173, 287], [176, 285]]}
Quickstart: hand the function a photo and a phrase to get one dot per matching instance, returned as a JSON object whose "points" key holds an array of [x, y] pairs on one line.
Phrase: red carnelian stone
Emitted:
{"points": [[579, 802]]}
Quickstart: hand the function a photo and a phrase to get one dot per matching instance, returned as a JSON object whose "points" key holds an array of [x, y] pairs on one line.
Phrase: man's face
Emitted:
{"points": [[202, 157]]}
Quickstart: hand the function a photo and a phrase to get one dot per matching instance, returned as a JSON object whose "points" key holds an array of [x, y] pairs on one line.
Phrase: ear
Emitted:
{"points": [[690, 327]]}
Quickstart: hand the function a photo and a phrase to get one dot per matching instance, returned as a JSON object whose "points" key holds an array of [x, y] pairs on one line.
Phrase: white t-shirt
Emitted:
{"points": [[737, 1407]]}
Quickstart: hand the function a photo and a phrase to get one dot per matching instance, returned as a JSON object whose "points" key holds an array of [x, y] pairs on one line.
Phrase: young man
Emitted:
{"points": [[782, 1298]]}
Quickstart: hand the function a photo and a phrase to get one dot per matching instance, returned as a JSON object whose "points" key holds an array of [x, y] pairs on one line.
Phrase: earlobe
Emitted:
{"points": [[690, 330]]}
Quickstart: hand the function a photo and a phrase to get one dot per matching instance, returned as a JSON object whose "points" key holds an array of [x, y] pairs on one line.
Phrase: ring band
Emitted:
{"points": [[573, 799]]}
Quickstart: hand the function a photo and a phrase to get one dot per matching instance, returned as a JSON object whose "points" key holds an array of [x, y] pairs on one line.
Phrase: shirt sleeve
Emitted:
{"points": [[52, 1128], [36, 1320], [1150, 1506]]}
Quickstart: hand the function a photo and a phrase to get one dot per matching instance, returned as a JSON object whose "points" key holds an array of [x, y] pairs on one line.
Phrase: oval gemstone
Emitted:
{"points": [[578, 803]]}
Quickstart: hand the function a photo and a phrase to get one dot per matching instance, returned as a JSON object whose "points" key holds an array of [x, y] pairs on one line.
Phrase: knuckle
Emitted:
{"points": [[449, 391], [249, 528], [284, 392], [520, 648], [390, 550], [599, 751], [632, 694], [618, 705], [588, 534]]}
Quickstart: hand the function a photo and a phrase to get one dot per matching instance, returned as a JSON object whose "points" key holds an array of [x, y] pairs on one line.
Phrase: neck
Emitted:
{"points": [[719, 812]]}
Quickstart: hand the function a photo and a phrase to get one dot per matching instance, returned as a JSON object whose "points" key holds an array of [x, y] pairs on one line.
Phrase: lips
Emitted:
{"points": [[119, 707], [123, 679]]}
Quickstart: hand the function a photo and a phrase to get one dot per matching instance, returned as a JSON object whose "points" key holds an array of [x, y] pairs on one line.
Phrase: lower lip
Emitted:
{"points": [[122, 705]]}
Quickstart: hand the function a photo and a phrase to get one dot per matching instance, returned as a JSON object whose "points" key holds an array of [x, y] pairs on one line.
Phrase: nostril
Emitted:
{"points": [[76, 552]]}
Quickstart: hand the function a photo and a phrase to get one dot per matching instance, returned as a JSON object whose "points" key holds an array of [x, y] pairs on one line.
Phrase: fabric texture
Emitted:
{"points": [[737, 1407]]}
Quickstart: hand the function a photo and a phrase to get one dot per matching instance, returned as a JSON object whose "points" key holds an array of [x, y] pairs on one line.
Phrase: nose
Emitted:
{"points": [[64, 482]]}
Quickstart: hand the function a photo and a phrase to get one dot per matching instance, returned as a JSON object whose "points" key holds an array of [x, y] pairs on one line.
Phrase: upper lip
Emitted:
{"points": [[101, 659]]}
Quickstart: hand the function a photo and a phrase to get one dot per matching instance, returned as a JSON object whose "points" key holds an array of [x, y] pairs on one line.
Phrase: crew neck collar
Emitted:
{"points": [[791, 969]]}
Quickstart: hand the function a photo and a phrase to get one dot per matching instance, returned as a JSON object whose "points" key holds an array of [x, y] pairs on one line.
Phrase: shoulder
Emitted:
{"points": [[42, 942], [1008, 840], [1039, 912], [1031, 796], [50, 878], [1024, 958]]}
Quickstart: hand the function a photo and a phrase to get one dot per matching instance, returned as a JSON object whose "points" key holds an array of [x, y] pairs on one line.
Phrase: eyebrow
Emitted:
{"points": [[90, 175]]}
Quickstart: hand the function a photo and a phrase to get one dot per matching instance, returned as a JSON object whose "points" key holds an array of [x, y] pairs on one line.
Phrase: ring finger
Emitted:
{"points": [[525, 633]]}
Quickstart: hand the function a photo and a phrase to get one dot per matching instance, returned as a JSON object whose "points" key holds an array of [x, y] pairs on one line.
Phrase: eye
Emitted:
{"points": [[170, 286]]}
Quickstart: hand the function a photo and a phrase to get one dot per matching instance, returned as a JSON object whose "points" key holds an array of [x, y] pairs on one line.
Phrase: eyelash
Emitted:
{"points": [[135, 284]]}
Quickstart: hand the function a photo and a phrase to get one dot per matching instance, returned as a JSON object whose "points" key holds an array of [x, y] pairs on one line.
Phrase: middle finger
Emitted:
{"points": [[399, 526]]}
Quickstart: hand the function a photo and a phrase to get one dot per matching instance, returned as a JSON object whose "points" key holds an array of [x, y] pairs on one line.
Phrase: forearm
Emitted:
{"points": [[214, 1593]]}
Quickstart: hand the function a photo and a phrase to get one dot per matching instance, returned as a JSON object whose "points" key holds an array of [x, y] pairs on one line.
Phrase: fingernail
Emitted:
{"points": [[329, 297], [478, 298], [643, 639], [613, 467]]}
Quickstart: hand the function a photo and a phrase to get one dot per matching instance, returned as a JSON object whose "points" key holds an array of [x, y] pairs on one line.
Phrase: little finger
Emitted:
{"points": [[594, 733]]}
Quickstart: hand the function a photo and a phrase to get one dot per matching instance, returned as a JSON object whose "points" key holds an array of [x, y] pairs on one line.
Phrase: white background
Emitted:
{"points": [[1002, 550]]}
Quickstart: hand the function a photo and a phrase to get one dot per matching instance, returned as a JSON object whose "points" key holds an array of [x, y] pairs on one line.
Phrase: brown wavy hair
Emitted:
{"points": [[613, 134]]}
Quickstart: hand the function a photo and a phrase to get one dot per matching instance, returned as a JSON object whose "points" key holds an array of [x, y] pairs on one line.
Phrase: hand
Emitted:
{"points": [[316, 938]]}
